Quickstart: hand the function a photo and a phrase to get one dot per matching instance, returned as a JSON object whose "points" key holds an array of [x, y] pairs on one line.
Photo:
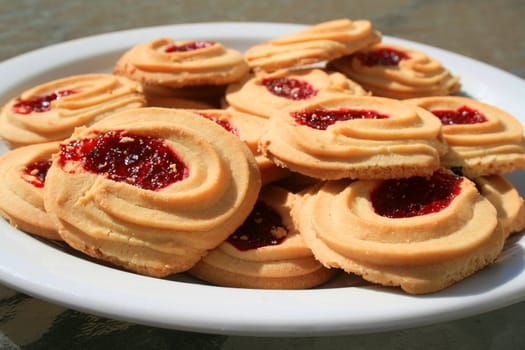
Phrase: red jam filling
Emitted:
{"points": [[191, 46], [142, 161], [263, 227], [37, 172], [462, 115], [321, 119], [39, 104], [415, 196], [290, 88], [222, 122], [382, 57]]}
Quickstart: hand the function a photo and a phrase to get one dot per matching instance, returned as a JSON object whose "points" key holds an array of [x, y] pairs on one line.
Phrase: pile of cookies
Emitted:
{"points": [[318, 153]]}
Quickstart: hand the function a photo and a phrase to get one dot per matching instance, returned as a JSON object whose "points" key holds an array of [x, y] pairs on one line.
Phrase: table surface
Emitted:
{"points": [[489, 31]]}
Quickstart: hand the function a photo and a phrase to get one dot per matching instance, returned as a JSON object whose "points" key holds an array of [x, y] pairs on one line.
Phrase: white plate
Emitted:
{"points": [[49, 272]]}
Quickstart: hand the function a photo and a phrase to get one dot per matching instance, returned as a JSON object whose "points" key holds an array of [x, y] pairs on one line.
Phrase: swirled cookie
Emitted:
{"points": [[248, 128], [321, 42], [266, 251], [355, 137], [507, 201], [50, 112], [266, 94], [164, 66], [397, 72], [23, 172], [482, 139], [151, 189], [422, 233]]}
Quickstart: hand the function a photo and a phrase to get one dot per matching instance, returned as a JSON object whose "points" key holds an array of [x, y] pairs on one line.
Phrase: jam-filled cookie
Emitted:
{"points": [[267, 93], [508, 202], [397, 72], [23, 172], [182, 68], [50, 112], [266, 251], [248, 128], [321, 42], [355, 137], [483, 139], [151, 189], [422, 233]]}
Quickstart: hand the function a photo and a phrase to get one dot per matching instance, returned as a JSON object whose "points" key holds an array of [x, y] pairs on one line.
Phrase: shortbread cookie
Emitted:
{"points": [[508, 202], [267, 93], [397, 72], [164, 66], [248, 128], [266, 251], [51, 111], [23, 173], [482, 138], [422, 233], [151, 189], [321, 42], [355, 137]]}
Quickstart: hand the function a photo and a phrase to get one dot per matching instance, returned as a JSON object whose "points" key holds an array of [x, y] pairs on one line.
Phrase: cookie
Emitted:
{"points": [[355, 137], [151, 189], [267, 93], [397, 72], [167, 67], [23, 172], [265, 252], [507, 201], [248, 128], [50, 112], [422, 234], [483, 139], [321, 42]]}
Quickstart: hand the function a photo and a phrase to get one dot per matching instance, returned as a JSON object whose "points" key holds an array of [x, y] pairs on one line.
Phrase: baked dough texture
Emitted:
{"points": [[287, 265], [164, 231], [96, 96], [407, 143], [495, 146], [248, 128], [163, 72], [22, 192], [507, 201], [321, 42], [416, 76], [421, 254], [252, 96]]}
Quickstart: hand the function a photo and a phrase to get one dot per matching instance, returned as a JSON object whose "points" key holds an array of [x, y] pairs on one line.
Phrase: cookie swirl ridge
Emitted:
{"points": [[317, 43], [51, 111], [160, 65], [421, 253], [162, 230], [485, 140], [397, 72], [23, 172], [354, 137]]}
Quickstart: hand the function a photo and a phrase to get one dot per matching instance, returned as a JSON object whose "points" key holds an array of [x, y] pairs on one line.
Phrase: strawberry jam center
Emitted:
{"points": [[142, 161], [462, 115], [290, 88], [39, 104], [263, 227], [191, 46], [415, 196], [37, 172], [321, 119], [382, 57]]}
